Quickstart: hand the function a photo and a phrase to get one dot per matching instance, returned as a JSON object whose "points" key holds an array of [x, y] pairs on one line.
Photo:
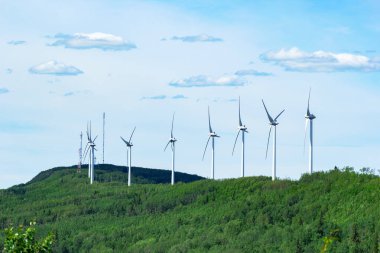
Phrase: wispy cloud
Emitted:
{"points": [[3, 90], [252, 72], [179, 96], [74, 93], [70, 93], [16, 42], [9, 71], [158, 97], [320, 61], [161, 97], [196, 38], [205, 81], [55, 68], [102, 41], [19, 127]]}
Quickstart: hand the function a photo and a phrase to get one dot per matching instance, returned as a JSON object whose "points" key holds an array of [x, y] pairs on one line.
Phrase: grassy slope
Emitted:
{"points": [[237, 215]]}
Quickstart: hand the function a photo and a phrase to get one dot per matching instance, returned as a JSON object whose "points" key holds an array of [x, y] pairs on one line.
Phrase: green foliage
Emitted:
{"points": [[23, 239], [252, 214]]}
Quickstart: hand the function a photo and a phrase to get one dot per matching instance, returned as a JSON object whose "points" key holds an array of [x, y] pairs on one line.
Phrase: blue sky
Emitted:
{"points": [[66, 62]]}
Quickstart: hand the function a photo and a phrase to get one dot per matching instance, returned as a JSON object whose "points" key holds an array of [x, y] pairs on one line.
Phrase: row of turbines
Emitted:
{"points": [[242, 129]]}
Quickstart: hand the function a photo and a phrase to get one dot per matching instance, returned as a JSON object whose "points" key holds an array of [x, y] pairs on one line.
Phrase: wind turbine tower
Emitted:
{"points": [[273, 123], [309, 118], [172, 142], [90, 147], [243, 129], [129, 155], [211, 136]]}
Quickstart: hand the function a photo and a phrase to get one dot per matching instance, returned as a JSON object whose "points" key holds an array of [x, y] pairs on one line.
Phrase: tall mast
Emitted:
{"points": [[80, 153], [104, 125]]}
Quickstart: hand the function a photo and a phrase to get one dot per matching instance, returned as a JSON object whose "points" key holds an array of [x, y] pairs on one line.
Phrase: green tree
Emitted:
{"points": [[23, 239]]}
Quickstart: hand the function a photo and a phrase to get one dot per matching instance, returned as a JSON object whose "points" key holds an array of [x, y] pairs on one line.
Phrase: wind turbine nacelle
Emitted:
{"points": [[310, 117], [213, 134], [274, 123]]}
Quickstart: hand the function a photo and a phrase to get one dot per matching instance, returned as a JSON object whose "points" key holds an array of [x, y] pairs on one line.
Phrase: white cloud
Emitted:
{"points": [[55, 68], [102, 41], [205, 81], [321, 61], [252, 72], [196, 38]]}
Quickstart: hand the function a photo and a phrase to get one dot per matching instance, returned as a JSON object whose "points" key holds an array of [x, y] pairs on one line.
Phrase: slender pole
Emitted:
{"points": [[213, 158], [80, 153], [173, 156], [274, 155], [311, 148], [242, 154], [104, 125], [129, 164]]}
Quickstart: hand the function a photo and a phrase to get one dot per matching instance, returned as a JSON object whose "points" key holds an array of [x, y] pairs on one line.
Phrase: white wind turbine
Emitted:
{"points": [[243, 129], [309, 118], [272, 123], [212, 135], [172, 141], [129, 156], [90, 146]]}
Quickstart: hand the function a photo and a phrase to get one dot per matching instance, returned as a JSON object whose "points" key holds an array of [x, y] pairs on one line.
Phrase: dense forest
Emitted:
{"points": [[340, 208]]}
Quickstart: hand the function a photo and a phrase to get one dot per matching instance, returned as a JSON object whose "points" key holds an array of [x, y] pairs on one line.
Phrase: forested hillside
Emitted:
{"points": [[250, 214]]}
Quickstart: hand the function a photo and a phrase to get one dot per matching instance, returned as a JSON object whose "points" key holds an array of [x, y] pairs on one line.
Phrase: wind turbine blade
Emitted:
{"points": [[235, 142], [266, 153], [85, 148], [308, 104], [304, 140], [204, 152], [95, 138], [124, 140], [130, 138], [90, 129], [279, 114], [166, 145], [266, 110], [85, 153], [171, 133], [87, 132], [209, 121], [240, 124]]}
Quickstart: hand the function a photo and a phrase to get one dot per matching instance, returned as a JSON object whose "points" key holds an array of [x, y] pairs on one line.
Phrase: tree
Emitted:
{"points": [[23, 239]]}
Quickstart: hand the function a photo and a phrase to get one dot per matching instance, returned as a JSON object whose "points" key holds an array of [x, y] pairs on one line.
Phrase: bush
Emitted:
{"points": [[23, 239]]}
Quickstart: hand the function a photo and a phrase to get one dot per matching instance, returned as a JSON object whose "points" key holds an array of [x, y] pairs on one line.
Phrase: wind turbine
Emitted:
{"points": [[212, 135], [309, 118], [272, 123], [172, 141], [243, 129], [129, 156], [90, 146]]}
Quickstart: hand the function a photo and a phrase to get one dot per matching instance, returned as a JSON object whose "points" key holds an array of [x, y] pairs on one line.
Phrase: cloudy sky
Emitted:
{"points": [[64, 63]]}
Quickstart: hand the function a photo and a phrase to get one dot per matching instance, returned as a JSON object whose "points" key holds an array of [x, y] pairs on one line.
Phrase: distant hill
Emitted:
{"points": [[109, 173], [252, 214]]}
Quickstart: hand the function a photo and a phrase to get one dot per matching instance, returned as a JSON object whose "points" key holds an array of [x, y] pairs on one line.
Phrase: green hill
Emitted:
{"points": [[250, 214]]}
